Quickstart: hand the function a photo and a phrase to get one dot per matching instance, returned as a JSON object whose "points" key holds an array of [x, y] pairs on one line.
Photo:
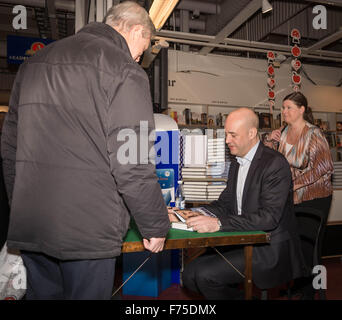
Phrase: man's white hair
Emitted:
{"points": [[128, 14]]}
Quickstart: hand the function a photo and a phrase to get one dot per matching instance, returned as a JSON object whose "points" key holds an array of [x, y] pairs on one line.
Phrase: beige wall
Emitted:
{"points": [[235, 82]]}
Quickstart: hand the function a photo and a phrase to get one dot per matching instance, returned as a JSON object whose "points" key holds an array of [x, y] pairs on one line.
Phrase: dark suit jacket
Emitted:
{"points": [[267, 205]]}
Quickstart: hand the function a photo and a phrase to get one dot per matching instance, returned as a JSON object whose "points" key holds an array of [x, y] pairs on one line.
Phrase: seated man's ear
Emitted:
{"points": [[253, 133]]}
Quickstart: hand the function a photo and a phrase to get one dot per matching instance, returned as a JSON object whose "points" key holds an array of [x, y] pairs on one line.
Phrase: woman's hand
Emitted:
{"points": [[275, 135]]}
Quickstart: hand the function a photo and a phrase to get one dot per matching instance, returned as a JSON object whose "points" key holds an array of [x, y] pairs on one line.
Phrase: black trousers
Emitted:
{"points": [[52, 279], [309, 227], [211, 276]]}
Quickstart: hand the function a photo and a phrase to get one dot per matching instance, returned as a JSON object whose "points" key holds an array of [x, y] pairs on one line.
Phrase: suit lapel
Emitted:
{"points": [[251, 172]]}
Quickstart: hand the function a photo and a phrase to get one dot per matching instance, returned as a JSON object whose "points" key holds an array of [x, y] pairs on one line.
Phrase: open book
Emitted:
{"points": [[178, 217]]}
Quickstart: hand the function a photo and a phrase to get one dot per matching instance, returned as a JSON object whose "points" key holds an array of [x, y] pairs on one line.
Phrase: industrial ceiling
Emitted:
{"points": [[228, 27]]}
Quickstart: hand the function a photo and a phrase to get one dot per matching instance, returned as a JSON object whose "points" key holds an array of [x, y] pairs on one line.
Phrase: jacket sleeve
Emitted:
{"points": [[130, 145], [276, 186], [320, 162], [9, 139]]}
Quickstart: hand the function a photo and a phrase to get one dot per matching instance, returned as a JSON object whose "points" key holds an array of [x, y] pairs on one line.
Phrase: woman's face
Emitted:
{"points": [[291, 113]]}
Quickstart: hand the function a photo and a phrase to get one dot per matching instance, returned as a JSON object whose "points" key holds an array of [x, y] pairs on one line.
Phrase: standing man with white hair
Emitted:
{"points": [[71, 197]]}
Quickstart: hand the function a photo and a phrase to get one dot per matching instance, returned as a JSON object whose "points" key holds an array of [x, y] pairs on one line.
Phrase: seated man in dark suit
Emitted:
{"points": [[258, 197]]}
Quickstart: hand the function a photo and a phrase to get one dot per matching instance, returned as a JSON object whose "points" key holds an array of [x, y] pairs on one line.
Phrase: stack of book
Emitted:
{"points": [[216, 151], [194, 172], [337, 176], [203, 190], [195, 190], [215, 189], [206, 182]]}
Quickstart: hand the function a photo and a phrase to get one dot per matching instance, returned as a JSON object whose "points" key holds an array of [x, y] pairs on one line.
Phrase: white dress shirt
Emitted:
{"points": [[245, 163]]}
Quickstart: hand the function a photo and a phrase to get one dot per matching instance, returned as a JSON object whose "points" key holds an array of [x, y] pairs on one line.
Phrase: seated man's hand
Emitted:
{"points": [[173, 218], [203, 224], [154, 244], [184, 213]]}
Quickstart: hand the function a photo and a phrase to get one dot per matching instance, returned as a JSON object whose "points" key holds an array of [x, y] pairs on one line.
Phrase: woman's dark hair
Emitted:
{"points": [[300, 100]]}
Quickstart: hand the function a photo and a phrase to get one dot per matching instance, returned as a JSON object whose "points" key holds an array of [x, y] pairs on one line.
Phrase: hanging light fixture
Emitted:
{"points": [[266, 6], [160, 11]]}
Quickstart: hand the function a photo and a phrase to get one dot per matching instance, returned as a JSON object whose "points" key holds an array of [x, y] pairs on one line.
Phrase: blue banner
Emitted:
{"points": [[21, 48]]}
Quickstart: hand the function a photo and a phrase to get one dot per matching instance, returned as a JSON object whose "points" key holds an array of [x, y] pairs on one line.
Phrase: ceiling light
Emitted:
{"points": [[160, 11], [266, 6]]}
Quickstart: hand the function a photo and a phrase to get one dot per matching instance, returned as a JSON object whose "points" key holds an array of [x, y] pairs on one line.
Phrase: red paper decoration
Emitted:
{"points": [[296, 64], [271, 94], [296, 79], [270, 80], [295, 35], [270, 70], [296, 51]]}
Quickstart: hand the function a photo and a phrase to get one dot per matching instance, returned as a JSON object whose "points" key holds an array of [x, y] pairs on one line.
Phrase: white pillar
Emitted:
{"points": [[92, 11], [80, 15], [100, 10]]}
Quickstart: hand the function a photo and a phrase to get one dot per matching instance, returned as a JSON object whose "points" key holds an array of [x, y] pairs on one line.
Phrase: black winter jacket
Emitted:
{"points": [[70, 196]]}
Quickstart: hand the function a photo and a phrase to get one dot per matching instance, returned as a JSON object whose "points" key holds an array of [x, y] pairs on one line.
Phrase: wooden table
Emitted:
{"points": [[180, 239]]}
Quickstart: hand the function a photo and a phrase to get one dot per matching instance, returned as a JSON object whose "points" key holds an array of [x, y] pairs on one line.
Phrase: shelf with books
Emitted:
{"points": [[192, 117], [199, 115], [205, 182], [200, 126]]}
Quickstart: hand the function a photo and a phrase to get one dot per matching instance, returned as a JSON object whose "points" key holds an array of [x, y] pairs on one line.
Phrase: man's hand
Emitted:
{"points": [[154, 244], [203, 224]]}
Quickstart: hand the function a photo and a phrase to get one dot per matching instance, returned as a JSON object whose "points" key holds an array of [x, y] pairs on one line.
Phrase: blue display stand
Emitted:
{"points": [[162, 269], [152, 278]]}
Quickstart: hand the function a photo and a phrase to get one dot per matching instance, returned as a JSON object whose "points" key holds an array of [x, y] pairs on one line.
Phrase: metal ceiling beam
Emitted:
{"points": [[65, 5], [326, 41], [199, 7], [243, 45], [237, 21], [337, 3], [251, 46]]}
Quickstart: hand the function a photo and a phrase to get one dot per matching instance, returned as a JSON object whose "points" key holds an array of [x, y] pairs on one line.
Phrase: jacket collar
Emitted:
{"points": [[104, 30]]}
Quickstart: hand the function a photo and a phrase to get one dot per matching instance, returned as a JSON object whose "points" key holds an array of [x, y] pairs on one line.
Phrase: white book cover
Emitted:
{"points": [[201, 174], [198, 196], [195, 192], [191, 187], [201, 183], [195, 154], [181, 226], [192, 169], [216, 140], [195, 189], [194, 176]]}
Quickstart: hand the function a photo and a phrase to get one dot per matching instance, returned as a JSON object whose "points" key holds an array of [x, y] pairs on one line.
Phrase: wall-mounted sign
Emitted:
{"points": [[21, 48]]}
